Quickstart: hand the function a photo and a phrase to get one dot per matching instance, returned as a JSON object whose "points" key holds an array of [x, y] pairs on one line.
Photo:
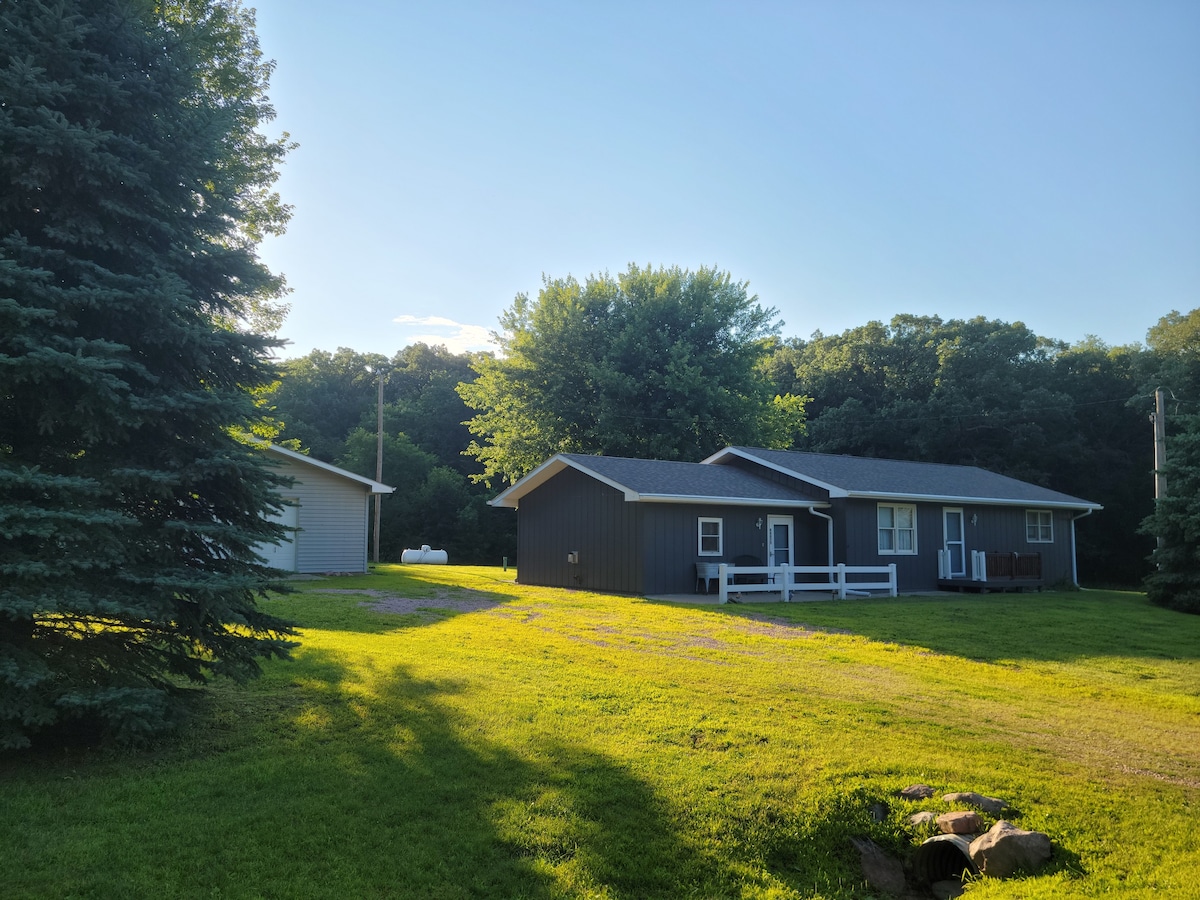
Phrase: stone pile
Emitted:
{"points": [[964, 845]]}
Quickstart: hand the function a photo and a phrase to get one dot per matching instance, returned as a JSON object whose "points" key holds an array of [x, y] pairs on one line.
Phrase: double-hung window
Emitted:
{"points": [[1039, 526], [710, 535], [897, 528]]}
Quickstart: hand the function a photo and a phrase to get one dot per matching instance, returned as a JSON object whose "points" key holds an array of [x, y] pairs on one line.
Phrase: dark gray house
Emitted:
{"points": [[642, 526]]}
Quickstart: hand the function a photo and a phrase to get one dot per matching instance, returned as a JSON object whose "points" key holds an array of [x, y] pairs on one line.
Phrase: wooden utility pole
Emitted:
{"points": [[1160, 442], [1160, 449], [378, 461]]}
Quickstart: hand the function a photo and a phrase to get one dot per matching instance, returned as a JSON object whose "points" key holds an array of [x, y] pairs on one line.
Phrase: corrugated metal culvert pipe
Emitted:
{"points": [[944, 857]]}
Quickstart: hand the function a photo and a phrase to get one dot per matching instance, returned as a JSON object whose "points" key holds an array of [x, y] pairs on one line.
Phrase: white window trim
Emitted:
{"points": [[894, 529], [1039, 526], [700, 536]]}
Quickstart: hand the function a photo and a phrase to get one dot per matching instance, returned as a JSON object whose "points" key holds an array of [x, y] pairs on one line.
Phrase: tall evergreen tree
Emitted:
{"points": [[134, 188]]}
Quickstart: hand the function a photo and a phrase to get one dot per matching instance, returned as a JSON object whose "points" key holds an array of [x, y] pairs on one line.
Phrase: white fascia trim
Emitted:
{"points": [[834, 490], [985, 501], [375, 486], [728, 501], [511, 497]]}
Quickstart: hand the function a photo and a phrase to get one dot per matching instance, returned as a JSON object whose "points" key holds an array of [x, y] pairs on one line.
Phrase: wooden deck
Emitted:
{"points": [[999, 571]]}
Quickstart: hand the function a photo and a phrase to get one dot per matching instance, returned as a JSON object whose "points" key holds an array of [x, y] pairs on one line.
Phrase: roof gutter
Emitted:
{"points": [[724, 501], [990, 501]]}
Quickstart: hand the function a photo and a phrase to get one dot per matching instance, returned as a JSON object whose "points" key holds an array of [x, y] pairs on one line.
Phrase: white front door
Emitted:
{"points": [[954, 542], [779, 541]]}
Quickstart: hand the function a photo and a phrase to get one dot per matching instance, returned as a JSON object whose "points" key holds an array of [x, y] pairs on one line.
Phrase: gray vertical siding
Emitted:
{"points": [[997, 528], [671, 548], [332, 520], [670, 540], [637, 548], [573, 512], [861, 534], [1002, 529]]}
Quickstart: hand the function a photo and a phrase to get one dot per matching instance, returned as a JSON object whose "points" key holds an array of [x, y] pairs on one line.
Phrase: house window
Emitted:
{"points": [[897, 528], [1039, 526], [710, 537]]}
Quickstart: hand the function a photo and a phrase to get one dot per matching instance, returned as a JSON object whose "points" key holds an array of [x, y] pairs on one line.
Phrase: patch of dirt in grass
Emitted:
{"points": [[1160, 776], [459, 600], [776, 627]]}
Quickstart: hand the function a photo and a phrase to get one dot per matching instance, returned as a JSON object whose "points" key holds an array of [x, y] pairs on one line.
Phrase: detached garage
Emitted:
{"points": [[330, 508]]}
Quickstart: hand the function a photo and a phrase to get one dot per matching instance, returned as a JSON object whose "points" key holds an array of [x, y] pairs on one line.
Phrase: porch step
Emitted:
{"points": [[1000, 585]]}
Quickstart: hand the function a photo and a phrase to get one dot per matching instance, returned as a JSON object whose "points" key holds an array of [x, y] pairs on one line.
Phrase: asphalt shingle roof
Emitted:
{"points": [[862, 475], [683, 479], [841, 475]]}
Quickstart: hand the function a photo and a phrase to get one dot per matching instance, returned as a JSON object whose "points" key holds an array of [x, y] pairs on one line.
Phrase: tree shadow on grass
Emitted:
{"points": [[989, 628], [333, 780], [388, 789], [449, 813]]}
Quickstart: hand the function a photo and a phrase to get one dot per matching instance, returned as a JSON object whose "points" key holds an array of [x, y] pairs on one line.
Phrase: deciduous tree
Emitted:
{"points": [[657, 363]]}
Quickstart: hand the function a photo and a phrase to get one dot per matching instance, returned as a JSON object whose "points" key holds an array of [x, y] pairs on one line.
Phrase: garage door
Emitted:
{"points": [[283, 554]]}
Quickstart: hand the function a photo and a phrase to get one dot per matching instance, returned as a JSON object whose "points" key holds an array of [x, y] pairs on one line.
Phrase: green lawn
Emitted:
{"points": [[509, 741]]}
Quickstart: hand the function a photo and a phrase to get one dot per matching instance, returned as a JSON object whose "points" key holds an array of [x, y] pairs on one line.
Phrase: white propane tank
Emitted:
{"points": [[425, 555]]}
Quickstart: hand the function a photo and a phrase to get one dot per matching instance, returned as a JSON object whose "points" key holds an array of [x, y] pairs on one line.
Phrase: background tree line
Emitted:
{"points": [[672, 364], [326, 404]]}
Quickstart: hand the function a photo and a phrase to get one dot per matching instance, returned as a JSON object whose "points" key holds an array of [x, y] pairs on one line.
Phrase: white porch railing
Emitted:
{"points": [[782, 580], [978, 566]]}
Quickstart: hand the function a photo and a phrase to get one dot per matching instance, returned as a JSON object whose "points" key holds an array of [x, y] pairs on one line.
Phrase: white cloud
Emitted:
{"points": [[426, 320], [456, 336]]}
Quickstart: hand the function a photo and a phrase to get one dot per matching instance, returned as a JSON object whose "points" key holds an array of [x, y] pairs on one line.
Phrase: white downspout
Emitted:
{"points": [[828, 519], [1074, 567]]}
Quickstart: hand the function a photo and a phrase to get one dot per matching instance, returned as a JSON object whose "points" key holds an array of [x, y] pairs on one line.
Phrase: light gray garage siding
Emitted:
{"points": [[332, 514]]}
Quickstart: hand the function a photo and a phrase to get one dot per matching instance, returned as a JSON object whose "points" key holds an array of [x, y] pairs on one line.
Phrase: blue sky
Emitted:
{"points": [[1025, 161]]}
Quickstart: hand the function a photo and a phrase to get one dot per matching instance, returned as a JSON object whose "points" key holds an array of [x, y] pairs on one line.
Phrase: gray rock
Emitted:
{"points": [[921, 819], [881, 871], [959, 823], [879, 811], [916, 792], [993, 806], [1006, 850]]}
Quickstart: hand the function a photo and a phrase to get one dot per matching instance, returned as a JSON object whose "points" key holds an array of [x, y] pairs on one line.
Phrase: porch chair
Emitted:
{"points": [[749, 560]]}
